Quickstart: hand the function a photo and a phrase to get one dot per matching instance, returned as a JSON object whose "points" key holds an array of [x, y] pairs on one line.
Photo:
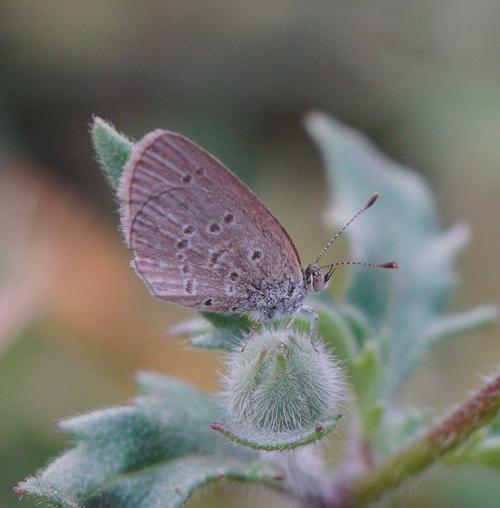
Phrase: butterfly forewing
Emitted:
{"points": [[200, 236]]}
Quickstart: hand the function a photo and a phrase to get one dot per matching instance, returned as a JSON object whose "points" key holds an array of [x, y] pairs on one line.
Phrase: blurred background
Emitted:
{"points": [[420, 78]]}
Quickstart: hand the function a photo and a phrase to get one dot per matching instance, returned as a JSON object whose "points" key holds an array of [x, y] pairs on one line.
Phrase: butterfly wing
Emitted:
{"points": [[200, 236]]}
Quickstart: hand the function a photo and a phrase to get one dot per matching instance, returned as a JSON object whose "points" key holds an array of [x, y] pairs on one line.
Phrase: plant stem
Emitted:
{"points": [[446, 435]]}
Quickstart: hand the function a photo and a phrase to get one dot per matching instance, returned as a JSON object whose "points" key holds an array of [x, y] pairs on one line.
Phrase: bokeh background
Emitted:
{"points": [[420, 78]]}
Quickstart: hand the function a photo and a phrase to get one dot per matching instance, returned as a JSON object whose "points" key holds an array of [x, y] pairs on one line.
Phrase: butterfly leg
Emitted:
{"points": [[314, 319], [250, 334], [290, 323]]}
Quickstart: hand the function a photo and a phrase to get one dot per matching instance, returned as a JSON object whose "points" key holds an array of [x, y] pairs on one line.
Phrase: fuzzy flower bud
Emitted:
{"points": [[282, 383]]}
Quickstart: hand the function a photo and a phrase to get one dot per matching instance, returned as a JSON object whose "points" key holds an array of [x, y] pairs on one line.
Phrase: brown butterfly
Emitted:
{"points": [[201, 238]]}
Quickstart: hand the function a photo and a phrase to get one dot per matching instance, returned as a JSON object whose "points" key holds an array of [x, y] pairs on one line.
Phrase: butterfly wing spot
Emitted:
{"points": [[185, 269], [214, 228], [186, 178], [189, 287], [215, 257], [228, 218], [182, 244], [234, 275], [208, 302], [180, 256], [200, 171], [257, 254], [188, 230], [228, 289]]}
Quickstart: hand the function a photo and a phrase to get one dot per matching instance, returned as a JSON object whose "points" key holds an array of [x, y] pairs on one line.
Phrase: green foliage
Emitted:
{"points": [[216, 331], [453, 324], [444, 439], [112, 149], [408, 305], [340, 327], [282, 393], [395, 316], [400, 426], [482, 448], [337, 330], [366, 381], [156, 451], [260, 439]]}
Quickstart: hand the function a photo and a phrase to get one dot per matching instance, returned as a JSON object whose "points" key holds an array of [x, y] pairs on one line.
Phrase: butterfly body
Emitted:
{"points": [[276, 299]]}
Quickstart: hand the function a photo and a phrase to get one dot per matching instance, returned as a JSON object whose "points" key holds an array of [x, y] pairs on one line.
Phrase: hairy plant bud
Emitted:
{"points": [[281, 382]]}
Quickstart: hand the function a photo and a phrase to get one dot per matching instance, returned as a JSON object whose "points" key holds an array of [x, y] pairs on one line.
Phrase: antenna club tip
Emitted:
{"points": [[372, 200], [391, 264]]}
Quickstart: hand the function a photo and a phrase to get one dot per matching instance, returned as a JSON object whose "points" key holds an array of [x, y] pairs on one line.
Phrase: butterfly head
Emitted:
{"points": [[316, 278]]}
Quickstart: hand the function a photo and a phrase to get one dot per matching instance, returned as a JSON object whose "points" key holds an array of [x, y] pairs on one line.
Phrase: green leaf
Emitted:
{"points": [[358, 323], [366, 379], [482, 448], [216, 331], [487, 452], [259, 439], [112, 149], [366, 374], [402, 226], [400, 427], [154, 452], [459, 323], [336, 332]]}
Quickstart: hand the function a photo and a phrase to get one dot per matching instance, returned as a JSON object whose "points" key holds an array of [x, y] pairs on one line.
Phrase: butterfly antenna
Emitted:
{"points": [[346, 225], [390, 264], [333, 266]]}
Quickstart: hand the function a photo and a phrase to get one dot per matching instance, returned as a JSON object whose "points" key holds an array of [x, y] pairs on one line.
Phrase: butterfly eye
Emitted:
{"points": [[318, 281]]}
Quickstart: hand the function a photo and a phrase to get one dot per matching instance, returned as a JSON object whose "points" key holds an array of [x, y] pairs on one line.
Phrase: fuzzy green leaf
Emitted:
{"points": [[281, 392], [216, 331], [459, 323], [402, 226], [259, 439], [228, 333], [112, 149], [400, 427], [154, 452]]}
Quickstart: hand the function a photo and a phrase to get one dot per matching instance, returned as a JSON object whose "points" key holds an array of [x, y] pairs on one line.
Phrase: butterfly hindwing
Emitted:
{"points": [[200, 236]]}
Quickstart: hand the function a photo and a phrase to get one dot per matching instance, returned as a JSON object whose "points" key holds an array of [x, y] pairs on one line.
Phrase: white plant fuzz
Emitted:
{"points": [[282, 383], [303, 472]]}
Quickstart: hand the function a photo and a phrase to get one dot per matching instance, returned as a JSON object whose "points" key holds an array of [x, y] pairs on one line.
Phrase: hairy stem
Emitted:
{"points": [[446, 435]]}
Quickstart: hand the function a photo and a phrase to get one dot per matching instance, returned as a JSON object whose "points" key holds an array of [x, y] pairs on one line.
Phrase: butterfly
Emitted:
{"points": [[202, 239]]}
